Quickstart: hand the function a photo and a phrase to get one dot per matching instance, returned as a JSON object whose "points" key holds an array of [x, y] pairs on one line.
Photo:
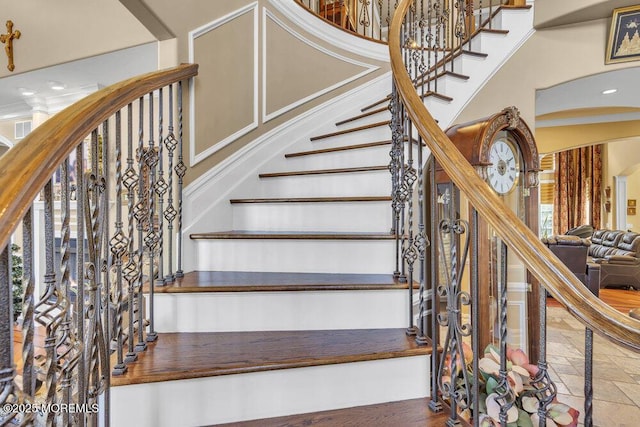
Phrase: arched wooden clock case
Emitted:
{"points": [[489, 145]]}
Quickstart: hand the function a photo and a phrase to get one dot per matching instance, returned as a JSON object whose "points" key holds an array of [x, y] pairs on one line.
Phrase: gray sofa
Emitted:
{"points": [[618, 254], [572, 251]]}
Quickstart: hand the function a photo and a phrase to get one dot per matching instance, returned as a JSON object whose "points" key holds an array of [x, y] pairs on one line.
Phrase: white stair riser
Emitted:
{"points": [[369, 183], [241, 397], [343, 216], [304, 256], [378, 155], [280, 311], [378, 133], [372, 118]]}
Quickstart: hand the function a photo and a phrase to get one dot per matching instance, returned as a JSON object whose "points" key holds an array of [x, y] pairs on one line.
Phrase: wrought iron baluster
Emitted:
{"points": [[542, 383], [141, 214], [48, 311], [170, 212], [181, 169], [70, 346], [151, 239], [105, 288], [434, 403], [118, 246], [411, 252], [458, 390], [364, 18], [28, 326], [475, 312], [394, 168], [95, 206], [421, 240], [160, 189], [7, 371], [130, 271], [506, 397], [588, 376]]}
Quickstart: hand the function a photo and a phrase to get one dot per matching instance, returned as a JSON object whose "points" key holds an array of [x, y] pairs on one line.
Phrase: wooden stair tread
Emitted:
{"points": [[362, 116], [474, 53], [455, 75], [313, 199], [380, 101], [323, 171], [436, 95], [336, 149], [176, 356], [493, 31], [292, 235], [405, 413], [350, 130], [258, 281]]}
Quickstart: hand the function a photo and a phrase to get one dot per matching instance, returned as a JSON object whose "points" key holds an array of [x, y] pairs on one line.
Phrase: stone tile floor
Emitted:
{"points": [[616, 372]]}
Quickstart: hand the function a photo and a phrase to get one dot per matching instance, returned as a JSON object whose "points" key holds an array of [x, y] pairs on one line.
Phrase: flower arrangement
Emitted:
{"points": [[520, 373]]}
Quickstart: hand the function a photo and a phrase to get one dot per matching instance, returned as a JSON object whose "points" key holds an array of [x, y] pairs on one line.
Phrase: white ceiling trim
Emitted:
{"points": [[193, 35], [585, 120], [368, 68]]}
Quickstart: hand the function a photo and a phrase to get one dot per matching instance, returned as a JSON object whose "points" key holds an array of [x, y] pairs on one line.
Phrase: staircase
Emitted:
{"points": [[292, 315]]}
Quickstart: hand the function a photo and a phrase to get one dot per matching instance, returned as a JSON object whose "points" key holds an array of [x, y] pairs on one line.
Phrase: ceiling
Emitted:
{"points": [[76, 79], [581, 101]]}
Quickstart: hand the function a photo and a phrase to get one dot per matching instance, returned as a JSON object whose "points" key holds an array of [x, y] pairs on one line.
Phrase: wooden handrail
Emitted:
{"points": [[27, 167], [545, 266]]}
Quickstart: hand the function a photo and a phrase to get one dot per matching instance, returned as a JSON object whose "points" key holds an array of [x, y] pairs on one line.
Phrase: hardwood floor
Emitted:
{"points": [[621, 299], [406, 413]]}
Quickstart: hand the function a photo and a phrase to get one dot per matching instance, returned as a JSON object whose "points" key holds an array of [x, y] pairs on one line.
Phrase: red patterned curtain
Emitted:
{"points": [[577, 199]]}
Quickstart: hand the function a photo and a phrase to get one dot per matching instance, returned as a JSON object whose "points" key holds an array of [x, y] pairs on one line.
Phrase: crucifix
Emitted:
{"points": [[8, 40]]}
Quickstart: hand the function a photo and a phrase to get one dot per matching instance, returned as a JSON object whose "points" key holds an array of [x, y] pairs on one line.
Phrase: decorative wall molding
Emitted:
{"points": [[202, 183], [193, 35], [369, 68], [327, 32], [620, 186]]}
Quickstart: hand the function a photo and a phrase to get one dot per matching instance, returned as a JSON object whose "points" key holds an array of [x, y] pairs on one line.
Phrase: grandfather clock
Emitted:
{"points": [[503, 151]]}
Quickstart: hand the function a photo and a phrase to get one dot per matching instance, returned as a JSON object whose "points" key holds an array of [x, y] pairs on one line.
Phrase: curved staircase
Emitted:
{"points": [[294, 316]]}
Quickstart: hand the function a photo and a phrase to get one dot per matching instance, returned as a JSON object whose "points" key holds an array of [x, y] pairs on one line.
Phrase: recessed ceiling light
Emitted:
{"points": [[609, 91], [26, 92], [56, 85]]}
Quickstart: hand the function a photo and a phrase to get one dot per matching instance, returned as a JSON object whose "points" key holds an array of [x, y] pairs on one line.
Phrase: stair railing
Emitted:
{"points": [[454, 383], [371, 18], [103, 177]]}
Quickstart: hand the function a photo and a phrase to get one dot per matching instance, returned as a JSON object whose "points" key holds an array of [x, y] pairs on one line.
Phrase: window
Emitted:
{"points": [[22, 129]]}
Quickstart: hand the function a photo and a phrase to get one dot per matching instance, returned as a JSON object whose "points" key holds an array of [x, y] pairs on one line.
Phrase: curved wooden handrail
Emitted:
{"points": [[27, 167], [547, 268]]}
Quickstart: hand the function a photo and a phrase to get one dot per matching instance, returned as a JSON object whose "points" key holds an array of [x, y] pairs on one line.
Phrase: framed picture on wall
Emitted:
{"points": [[631, 203], [631, 211], [624, 36]]}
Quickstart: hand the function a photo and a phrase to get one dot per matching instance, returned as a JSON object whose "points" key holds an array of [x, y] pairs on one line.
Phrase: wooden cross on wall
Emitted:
{"points": [[7, 39]]}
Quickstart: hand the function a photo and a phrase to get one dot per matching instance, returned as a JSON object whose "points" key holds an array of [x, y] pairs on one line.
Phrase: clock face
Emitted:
{"points": [[504, 170]]}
